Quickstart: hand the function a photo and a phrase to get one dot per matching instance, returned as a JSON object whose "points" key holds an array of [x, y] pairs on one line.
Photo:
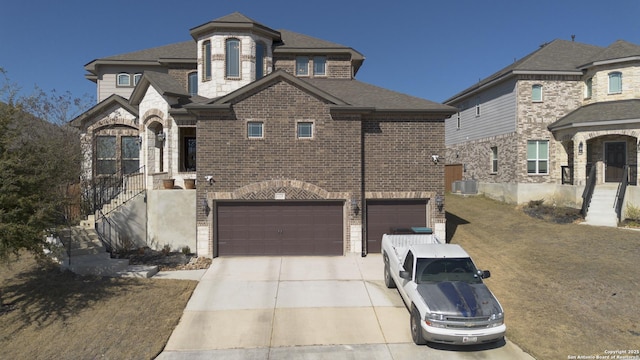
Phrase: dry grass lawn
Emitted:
{"points": [[567, 289], [46, 314]]}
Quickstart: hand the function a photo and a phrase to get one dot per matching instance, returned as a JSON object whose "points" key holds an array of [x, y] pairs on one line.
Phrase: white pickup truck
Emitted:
{"points": [[442, 288]]}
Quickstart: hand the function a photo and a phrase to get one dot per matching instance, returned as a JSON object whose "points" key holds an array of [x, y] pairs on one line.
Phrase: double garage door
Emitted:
{"points": [[280, 228]]}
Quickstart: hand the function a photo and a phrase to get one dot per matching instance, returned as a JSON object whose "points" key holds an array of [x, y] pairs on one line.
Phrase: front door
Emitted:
{"points": [[615, 155]]}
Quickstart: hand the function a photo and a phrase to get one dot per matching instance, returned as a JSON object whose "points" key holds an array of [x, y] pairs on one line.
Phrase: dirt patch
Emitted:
{"points": [[568, 289], [166, 261], [557, 214]]}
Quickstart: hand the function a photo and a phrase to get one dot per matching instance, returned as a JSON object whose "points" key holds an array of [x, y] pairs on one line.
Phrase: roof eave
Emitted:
{"points": [[593, 123]]}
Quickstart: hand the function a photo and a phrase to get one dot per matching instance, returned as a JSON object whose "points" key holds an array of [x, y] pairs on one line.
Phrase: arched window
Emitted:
{"points": [[193, 83], [615, 82], [536, 93], [136, 78], [206, 63], [232, 58], [259, 60], [124, 79]]}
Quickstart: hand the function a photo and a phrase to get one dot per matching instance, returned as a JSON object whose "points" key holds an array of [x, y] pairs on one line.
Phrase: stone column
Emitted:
{"points": [[580, 160]]}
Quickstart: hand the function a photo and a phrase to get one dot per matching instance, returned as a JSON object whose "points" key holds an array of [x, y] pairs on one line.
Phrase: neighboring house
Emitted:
{"points": [[534, 129], [290, 154]]}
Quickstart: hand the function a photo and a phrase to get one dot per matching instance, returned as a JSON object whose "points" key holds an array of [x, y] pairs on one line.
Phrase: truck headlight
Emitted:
{"points": [[497, 319], [435, 320]]}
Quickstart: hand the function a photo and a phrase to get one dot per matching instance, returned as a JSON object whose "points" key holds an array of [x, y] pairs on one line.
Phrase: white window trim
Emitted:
{"points": [[494, 159], [261, 126], [541, 93], [313, 129], [609, 83], [325, 66], [537, 160], [128, 84], [588, 88], [306, 74], [226, 56]]}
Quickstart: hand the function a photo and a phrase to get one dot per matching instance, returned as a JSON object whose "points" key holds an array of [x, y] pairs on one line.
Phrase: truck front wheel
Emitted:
{"points": [[416, 328], [388, 280]]}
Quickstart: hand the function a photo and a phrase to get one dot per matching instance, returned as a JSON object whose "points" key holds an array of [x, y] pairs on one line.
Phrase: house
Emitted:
{"points": [[289, 152], [536, 128]]}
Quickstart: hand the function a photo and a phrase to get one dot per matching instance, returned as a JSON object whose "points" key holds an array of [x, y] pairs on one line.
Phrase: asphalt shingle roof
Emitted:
{"points": [[599, 113]]}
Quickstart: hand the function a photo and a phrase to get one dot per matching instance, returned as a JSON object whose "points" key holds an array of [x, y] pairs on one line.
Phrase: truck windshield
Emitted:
{"points": [[452, 269]]}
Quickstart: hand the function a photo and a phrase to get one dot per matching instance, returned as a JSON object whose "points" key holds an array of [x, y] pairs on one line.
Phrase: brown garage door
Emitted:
{"points": [[277, 228], [385, 215]]}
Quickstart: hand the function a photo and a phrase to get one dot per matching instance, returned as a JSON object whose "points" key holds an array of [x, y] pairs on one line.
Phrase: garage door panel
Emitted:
{"points": [[268, 228], [382, 216]]}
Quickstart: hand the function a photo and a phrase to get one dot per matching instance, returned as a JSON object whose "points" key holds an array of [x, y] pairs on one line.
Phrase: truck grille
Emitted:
{"points": [[453, 322]]}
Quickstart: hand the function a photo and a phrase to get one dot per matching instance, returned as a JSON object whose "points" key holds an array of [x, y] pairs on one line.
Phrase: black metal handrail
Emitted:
{"points": [[588, 190], [104, 227], [100, 191], [622, 189]]}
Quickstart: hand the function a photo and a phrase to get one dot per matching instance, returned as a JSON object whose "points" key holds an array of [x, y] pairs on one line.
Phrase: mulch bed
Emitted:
{"points": [[166, 261]]}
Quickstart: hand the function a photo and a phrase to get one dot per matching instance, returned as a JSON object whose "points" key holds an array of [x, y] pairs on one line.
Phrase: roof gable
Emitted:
{"points": [[163, 83], [599, 114], [620, 50], [88, 116]]}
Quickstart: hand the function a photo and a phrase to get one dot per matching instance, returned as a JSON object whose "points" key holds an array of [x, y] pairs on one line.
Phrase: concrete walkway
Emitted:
{"points": [[304, 307]]}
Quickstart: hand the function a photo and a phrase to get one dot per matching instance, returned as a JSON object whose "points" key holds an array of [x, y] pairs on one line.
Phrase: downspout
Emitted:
{"points": [[363, 212]]}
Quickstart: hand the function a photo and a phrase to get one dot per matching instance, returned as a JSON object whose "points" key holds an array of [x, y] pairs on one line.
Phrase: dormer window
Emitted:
{"points": [[124, 79], [319, 66], [302, 66], [536, 93], [615, 82], [232, 58]]}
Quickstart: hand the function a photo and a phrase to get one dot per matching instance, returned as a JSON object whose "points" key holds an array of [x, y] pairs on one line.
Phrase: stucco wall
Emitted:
{"points": [[171, 219]]}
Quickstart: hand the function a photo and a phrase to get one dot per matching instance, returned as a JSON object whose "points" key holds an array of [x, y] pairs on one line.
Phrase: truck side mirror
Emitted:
{"points": [[405, 275], [485, 274]]}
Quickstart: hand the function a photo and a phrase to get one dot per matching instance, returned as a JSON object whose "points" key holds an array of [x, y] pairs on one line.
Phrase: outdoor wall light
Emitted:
{"points": [[580, 148], [161, 136], [435, 158], [205, 207], [139, 140], [209, 179], [354, 206], [439, 202]]}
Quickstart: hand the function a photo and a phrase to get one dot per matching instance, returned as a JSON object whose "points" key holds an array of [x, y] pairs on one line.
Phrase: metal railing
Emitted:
{"points": [[102, 190], [622, 189], [105, 229], [588, 190]]}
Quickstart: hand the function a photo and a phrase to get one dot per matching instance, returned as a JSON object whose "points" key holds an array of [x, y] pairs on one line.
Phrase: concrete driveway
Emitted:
{"points": [[304, 308]]}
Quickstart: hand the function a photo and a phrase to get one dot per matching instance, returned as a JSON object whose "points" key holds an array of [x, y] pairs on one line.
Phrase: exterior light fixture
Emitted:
{"points": [[354, 206], [580, 148], [439, 202], [161, 136], [139, 140]]}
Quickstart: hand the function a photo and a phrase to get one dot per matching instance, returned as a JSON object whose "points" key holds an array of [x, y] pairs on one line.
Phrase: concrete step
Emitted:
{"points": [[97, 266], [139, 271]]}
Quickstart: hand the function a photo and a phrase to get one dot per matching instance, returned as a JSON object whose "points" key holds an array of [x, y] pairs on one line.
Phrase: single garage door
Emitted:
{"points": [[382, 216], [280, 228]]}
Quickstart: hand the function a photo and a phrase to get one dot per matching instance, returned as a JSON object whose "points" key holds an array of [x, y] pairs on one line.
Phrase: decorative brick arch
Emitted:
{"points": [[155, 115], [293, 189]]}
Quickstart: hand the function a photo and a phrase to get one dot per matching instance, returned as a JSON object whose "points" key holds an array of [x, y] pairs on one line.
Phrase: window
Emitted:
{"points": [[302, 66], [305, 130], [537, 157], [254, 130], [206, 63], [259, 60], [319, 65], [232, 58], [408, 263], [187, 148], [193, 83], [477, 107], [136, 78], [458, 120], [130, 154], [588, 89], [124, 79], [494, 159], [615, 83], [105, 155], [536, 93]]}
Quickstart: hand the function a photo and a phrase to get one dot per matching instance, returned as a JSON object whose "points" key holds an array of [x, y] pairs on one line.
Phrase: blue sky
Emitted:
{"points": [[423, 48]]}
